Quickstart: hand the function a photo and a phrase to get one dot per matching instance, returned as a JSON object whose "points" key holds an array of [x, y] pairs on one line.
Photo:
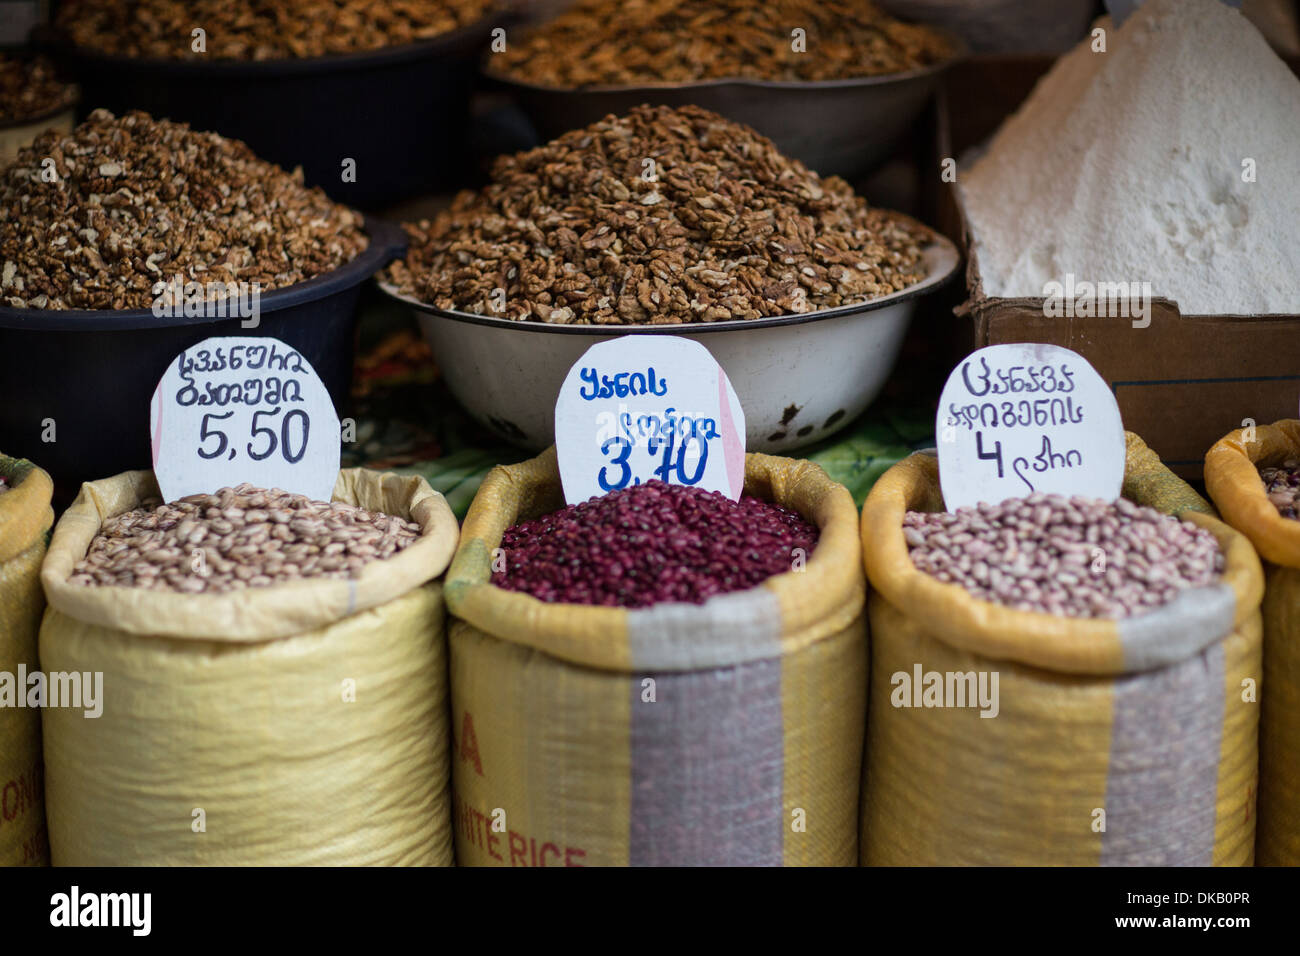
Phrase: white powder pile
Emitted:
{"points": [[1127, 166]]}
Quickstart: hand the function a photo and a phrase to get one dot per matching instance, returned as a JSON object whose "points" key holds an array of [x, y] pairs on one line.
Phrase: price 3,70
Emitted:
{"points": [[1047, 459], [290, 439], [672, 463]]}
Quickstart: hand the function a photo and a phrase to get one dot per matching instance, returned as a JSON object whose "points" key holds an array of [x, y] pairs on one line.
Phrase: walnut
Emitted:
{"points": [[30, 87], [735, 231], [135, 201], [636, 42], [259, 30]]}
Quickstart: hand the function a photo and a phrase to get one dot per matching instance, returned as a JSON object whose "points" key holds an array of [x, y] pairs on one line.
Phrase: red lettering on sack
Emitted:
{"points": [[34, 847], [27, 790], [519, 850], [21, 794], [469, 744], [476, 829]]}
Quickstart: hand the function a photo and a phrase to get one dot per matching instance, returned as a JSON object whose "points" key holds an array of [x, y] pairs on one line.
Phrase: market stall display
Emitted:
{"points": [[1119, 735], [369, 98], [836, 85], [972, 619], [1252, 475], [261, 720], [25, 520], [129, 240], [671, 734]]}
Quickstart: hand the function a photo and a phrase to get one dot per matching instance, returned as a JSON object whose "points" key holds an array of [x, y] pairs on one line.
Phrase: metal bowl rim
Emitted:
{"points": [[941, 252]]}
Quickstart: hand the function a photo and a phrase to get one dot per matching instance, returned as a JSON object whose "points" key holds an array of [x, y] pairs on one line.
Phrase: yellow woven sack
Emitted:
{"points": [[723, 733], [1112, 743], [1232, 478], [25, 520], [298, 724]]}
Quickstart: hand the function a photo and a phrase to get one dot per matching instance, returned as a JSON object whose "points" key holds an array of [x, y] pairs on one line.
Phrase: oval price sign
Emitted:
{"points": [[645, 407], [243, 409], [1016, 419]]}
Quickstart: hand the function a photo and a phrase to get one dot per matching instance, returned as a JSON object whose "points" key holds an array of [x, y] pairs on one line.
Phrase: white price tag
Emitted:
{"points": [[1016, 419], [645, 407], [243, 409]]}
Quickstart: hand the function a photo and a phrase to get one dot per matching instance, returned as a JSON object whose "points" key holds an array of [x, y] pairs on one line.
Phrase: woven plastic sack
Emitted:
{"points": [[1232, 478], [297, 724], [25, 520], [723, 733], [1112, 743]]}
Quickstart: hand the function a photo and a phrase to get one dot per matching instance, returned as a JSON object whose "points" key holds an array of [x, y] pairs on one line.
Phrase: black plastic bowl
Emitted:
{"points": [[90, 375], [835, 127], [401, 112]]}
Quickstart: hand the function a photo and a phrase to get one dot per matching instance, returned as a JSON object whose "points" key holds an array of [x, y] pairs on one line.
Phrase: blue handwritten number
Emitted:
{"points": [[681, 460], [625, 451], [664, 472]]}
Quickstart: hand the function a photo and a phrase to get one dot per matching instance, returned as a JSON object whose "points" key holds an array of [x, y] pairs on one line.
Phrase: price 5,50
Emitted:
{"points": [[290, 440]]}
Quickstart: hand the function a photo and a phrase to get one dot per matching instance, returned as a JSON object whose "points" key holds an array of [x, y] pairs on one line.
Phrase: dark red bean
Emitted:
{"points": [[652, 543]]}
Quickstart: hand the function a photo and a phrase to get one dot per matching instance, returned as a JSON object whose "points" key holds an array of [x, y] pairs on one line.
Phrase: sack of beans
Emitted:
{"points": [[659, 676], [25, 520], [1254, 480], [268, 674], [1059, 680]]}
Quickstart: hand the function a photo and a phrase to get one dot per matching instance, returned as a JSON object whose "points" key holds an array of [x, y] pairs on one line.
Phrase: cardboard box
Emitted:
{"points": [[1182, 381]]}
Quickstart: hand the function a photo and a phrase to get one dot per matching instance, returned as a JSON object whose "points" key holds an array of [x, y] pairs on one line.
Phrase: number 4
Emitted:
{"points": [[982, 454]]}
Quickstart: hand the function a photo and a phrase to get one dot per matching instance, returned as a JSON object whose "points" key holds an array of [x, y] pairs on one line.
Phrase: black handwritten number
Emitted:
{"points": [[269, 433], [681, 460], [205, 434], [284, 436], [982, 454], [625, 451]]}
